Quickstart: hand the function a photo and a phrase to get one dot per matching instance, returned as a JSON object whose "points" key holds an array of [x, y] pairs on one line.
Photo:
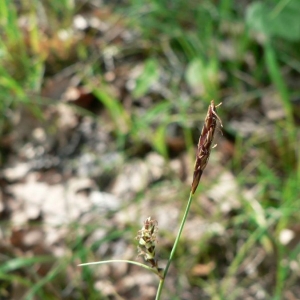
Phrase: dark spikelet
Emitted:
{"points": [[205, 143]]}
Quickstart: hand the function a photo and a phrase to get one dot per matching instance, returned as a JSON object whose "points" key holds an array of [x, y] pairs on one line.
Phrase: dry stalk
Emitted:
{"points": [[205, 143]]}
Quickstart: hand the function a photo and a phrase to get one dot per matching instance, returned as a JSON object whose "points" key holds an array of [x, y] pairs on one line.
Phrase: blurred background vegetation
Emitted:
{"points": [[141, 74]]}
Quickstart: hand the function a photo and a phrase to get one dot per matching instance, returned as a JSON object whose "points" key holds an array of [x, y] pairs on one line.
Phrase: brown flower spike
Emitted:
{"points": [[205, 143]]}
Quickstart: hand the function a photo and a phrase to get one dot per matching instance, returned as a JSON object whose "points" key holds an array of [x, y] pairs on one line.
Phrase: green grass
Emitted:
{"points": [[181, 49]]}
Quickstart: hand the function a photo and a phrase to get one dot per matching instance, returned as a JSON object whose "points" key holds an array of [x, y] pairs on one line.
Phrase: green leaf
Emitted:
{"points": [[202, 76], [18, 263], [285, 22], [281, 20], [194, 72], [159, 140], [118, 114], [149, 76], [256, 17]]}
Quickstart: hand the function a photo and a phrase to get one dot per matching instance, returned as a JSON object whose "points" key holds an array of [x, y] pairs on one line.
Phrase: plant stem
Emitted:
{"points": [[159, 289], [162, 281]]}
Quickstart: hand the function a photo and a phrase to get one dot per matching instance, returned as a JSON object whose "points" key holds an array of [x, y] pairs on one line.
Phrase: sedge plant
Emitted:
{"points": [[147, 235]]}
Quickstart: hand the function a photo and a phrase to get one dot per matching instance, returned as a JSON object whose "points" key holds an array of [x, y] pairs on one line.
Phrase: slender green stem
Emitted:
{"points": [[178, 234], [162, 281], [159, 289]]}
